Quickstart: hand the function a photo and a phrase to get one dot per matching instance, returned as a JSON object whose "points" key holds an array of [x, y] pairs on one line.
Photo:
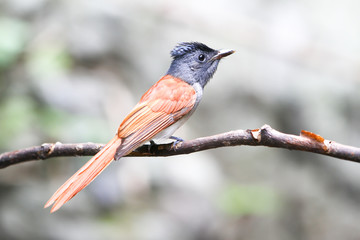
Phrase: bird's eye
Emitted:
{"points": [[201, 57]]}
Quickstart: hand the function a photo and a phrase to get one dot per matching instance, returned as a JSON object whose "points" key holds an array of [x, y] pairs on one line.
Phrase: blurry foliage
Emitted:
{"points": [[244, 200], [51, 121], [20, 115], [48, 60], [14, 34], [17, 115]]}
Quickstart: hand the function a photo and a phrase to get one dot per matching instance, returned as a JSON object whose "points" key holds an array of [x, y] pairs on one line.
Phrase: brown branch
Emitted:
{"points": [[265, 136]]}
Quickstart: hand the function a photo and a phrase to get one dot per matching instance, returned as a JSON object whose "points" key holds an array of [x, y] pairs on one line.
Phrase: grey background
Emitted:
{"points": [[71, 70]]}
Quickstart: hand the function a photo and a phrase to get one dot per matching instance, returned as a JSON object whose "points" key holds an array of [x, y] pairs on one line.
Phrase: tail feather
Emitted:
{"points": [[85, 175]]}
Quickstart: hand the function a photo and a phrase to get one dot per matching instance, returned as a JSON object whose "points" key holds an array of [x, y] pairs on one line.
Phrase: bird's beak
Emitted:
{"points": [[222, 53]]}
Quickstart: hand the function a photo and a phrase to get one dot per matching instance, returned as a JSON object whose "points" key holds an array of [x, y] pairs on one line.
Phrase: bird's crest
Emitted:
{"points": [[186, 47]]}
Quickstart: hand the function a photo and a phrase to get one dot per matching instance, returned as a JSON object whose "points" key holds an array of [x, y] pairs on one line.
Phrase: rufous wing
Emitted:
{"points": [[162, 105]]}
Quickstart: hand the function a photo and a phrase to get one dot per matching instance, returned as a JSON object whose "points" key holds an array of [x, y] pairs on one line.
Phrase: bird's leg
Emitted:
{"points": [[152, 146]]}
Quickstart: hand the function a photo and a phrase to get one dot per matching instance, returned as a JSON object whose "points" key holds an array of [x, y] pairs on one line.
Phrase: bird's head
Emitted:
{"points": [[195, 62]]}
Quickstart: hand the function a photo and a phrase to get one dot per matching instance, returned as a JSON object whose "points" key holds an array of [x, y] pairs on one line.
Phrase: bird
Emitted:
{"points": [[158, 114]]}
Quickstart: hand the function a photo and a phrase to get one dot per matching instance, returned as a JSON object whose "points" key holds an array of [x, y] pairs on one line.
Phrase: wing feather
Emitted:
{"points": [[161, 106]]}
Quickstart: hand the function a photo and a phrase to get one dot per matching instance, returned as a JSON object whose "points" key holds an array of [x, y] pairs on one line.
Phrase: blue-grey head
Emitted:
{"points": [[194, 62]]}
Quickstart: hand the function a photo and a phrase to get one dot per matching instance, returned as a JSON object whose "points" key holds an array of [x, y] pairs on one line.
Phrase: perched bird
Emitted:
{"points": [[160, 111]]}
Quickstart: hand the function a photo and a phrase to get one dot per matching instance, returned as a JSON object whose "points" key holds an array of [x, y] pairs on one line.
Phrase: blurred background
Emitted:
{"points": [[71, 70]]}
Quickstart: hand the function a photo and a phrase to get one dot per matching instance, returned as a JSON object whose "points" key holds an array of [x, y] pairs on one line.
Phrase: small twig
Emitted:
{"points": [[265, 136]]}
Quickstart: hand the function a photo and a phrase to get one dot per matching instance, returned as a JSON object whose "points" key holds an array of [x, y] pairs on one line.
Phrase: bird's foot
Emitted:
{"points": [[177, 140]]}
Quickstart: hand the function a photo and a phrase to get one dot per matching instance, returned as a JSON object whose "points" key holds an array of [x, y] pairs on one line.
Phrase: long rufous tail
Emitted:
{"points": [[84, 175]]}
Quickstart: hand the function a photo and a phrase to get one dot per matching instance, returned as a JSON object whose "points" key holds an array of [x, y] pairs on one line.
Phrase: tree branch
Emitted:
{"points": [[265, 136]]}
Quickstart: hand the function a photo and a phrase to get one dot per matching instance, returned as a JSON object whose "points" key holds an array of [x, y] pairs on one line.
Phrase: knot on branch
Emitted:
{"points": [[263, 133], [46, 149]]}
